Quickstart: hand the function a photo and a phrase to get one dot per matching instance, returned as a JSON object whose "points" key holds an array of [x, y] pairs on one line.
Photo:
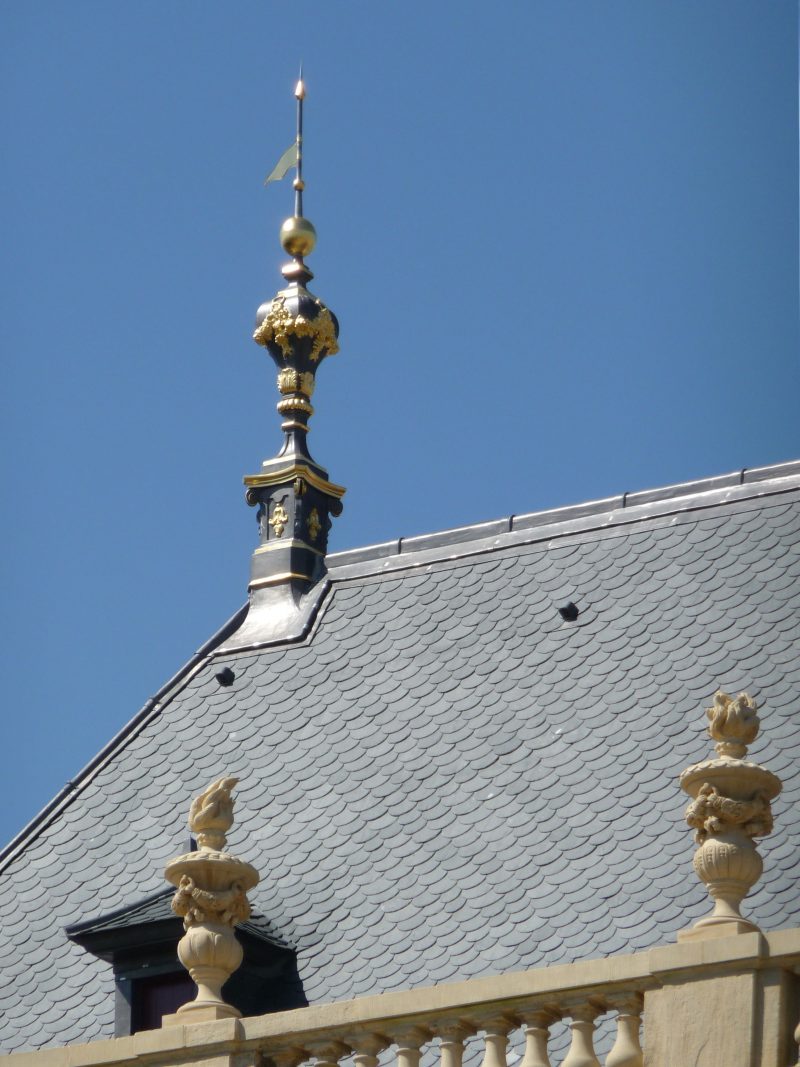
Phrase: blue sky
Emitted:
{"points": [[560, 238]]}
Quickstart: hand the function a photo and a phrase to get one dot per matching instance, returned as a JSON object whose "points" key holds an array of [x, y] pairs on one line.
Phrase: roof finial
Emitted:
{"points": [[295, 499]]}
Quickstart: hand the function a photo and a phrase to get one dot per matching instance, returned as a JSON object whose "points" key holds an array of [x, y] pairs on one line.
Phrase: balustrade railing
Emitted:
{"points": [[443, 1041], [547, 1017]]}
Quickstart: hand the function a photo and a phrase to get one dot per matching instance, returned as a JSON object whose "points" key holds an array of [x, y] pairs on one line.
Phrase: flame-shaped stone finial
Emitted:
{"points": [[733, 724], [211, 899], [211, 814]]}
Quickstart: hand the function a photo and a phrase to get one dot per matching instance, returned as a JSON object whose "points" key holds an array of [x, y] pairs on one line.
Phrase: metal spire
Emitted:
{"points": [[299, 184], [298, 235]]}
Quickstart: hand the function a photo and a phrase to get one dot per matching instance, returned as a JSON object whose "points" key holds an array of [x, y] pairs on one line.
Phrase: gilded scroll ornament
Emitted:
{"points": [[279, 519], [314, 525], [283, 328], [288, 380], [294, 381]]}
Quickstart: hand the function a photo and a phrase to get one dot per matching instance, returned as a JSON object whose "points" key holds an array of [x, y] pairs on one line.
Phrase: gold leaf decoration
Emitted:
{"points": [[283, 328]]}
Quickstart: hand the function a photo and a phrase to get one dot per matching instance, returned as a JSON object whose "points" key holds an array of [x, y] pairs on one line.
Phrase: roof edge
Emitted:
{"points": [[152, 705], [100, 924], [84, 925]]}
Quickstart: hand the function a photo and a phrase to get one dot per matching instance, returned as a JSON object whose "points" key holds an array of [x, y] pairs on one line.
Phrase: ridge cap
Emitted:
{"points": [[459, 535]]}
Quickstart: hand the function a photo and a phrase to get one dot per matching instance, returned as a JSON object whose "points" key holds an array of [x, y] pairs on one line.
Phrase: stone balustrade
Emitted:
{"points": [[732, 1000]]}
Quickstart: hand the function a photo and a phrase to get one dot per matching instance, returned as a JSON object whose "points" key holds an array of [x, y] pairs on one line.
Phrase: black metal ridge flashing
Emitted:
{"points": [[461, 542]]}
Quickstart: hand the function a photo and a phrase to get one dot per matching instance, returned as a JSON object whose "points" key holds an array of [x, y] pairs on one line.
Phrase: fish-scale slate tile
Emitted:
{"points": [[448, 780]]}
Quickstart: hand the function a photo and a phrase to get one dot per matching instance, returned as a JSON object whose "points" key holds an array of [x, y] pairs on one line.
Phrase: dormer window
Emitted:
{"points": [[140, 940]]}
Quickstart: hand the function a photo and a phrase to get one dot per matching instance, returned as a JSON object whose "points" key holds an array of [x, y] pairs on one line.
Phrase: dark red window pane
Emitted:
{"points": [[157, 996]]}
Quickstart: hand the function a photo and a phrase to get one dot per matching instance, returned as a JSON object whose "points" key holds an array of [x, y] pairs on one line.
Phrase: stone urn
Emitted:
{"points": [[730, 808], [211, 898]]}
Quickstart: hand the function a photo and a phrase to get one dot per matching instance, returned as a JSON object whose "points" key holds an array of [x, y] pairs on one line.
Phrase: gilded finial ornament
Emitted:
{"points": [[298, 236], [280, 326], [295, 498]]}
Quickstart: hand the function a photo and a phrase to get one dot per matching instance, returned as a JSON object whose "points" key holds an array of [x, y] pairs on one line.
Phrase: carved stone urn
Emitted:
{"points": [[730, 807], [212, 898]]}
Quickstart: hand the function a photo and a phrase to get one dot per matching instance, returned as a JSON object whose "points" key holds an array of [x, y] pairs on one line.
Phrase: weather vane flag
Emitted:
{"points": [[287, 160]]}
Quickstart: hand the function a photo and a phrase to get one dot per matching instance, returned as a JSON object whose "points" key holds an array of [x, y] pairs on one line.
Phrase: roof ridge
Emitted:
{"points": [[747, 476]]}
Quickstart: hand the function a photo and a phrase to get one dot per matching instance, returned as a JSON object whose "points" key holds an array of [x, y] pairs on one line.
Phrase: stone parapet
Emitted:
{"points": [[730, 1000]]}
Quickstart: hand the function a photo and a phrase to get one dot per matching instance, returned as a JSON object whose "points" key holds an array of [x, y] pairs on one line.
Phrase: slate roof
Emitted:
{"points": [[444, 778]]}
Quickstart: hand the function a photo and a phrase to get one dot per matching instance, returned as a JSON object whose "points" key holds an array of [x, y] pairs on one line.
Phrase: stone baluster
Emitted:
{"points": [[627, 1050], [327, 1052], [366, 1047], [409, 1041], [797, 1042], [496, 1029], [581, 1050], [537, 1035], [286, 1056], [451, 1041]]}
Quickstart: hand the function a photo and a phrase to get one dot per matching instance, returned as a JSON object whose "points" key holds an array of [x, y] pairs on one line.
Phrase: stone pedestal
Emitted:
{"points": [[720, 1001], [197, 1013], [680, 1023]]}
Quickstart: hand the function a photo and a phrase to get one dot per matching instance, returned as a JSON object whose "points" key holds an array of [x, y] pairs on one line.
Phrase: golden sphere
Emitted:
{"points": [[298, 236]]}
